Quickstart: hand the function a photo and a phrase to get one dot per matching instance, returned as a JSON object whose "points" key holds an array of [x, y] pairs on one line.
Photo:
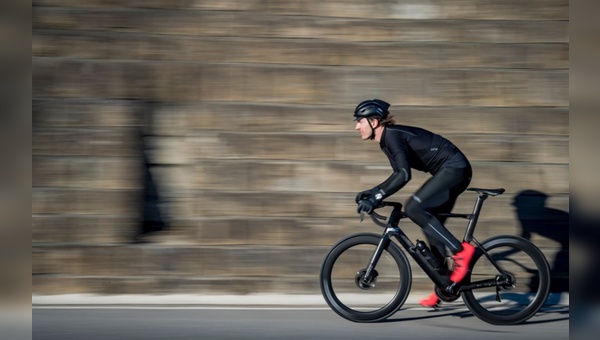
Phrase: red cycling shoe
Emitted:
{"points": [[430, 301], [462, 259]]}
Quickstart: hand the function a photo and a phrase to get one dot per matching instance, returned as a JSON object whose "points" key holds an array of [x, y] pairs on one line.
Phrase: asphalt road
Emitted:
{"points": [[180, 322]]}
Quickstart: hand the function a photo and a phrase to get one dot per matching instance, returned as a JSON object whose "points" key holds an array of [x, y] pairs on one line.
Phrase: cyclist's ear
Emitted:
{"points": [[375, 123]]}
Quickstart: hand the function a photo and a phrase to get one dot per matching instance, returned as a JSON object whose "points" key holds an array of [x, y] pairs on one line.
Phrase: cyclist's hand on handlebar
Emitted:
{"points": [[371, 193], [366, 205], [362, 195]]}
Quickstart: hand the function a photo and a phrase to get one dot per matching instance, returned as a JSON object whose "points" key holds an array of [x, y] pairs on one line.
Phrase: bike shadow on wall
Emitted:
{"points": [[536, 218]]}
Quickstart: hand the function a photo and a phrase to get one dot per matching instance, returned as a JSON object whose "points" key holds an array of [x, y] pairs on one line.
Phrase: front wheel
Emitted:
{"points": [[356, 297], [526, 275]]}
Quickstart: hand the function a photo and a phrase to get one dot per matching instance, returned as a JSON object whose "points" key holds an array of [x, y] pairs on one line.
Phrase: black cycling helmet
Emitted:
{"points": [[370, 108]]}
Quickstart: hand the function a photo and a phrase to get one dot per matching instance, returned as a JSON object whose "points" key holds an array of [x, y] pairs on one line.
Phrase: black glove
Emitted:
{"points": [[362, 195], [372, 200], [366, 194], [367, 205]]}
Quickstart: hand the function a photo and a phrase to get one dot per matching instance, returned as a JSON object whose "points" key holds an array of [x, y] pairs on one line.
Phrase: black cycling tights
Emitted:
{"points": [[438, 195]]}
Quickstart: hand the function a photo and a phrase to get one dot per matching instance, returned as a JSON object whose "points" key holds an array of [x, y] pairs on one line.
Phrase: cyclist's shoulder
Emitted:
{"points": [[407, 130]]}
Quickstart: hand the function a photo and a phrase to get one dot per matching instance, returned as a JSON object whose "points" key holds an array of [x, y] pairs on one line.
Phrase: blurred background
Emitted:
{"points": [[208, 147]]}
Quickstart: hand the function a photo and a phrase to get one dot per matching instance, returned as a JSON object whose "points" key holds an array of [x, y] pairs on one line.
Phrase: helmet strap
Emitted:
{"points": [[372, 130]]}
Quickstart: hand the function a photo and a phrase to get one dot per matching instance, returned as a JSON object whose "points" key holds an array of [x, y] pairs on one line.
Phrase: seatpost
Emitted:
{"points": [[474, 217]]}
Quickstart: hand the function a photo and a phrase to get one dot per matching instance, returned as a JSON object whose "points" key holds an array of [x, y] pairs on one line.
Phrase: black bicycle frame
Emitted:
{"points": [[441, 280]]}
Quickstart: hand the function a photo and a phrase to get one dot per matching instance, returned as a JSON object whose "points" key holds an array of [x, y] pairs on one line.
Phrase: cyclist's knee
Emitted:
{"points": [[413, 208]]}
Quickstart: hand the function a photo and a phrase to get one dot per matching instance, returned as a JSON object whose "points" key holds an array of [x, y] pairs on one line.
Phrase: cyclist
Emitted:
{"points": [[411, 147]]}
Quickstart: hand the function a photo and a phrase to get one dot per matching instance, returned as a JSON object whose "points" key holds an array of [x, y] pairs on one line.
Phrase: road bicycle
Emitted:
{"points": [[366, 277]]}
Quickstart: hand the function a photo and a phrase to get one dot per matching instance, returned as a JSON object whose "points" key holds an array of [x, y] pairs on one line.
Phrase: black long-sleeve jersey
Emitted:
{"points": [[411, 147]]}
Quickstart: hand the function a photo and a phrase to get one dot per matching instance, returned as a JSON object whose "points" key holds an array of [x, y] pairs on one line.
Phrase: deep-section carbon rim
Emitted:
{"points": [[339, 273], [530, 272]]}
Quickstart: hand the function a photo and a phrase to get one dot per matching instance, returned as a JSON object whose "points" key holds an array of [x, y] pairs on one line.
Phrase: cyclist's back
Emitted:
{"points": [[420, 149]]}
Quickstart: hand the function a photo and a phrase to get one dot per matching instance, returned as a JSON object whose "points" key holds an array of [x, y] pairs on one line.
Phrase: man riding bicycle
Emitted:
{"points": [[407, 148]]}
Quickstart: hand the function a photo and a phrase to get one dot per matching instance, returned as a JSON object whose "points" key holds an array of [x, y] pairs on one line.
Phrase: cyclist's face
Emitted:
{"points": [[363, 127]]}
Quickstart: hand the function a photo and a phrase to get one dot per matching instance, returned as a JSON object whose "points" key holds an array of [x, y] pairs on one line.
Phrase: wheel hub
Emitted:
{"points": [[365, 283], [506, 280]]}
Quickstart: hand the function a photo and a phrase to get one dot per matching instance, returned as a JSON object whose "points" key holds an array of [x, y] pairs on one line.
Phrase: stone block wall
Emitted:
{"points": [[241, 111]]}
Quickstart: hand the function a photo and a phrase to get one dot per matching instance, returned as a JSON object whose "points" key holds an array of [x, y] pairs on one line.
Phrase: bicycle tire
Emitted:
{"points": [[339, 272], [524, 299]]}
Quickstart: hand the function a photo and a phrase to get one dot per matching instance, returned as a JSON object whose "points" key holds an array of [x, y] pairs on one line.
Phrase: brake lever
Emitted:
{"points": [[373, 214]]}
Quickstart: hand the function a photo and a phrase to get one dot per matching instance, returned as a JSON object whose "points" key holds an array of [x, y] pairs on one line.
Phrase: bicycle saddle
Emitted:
{"points": [[491, 192]]}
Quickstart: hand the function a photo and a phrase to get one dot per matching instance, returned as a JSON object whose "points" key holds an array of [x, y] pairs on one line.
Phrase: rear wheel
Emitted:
{"points": [[356, 297], [526, 278]]}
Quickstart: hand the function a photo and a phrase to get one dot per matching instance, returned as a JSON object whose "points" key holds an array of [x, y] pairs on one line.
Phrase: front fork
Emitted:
{"points": [[369, 273]]}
